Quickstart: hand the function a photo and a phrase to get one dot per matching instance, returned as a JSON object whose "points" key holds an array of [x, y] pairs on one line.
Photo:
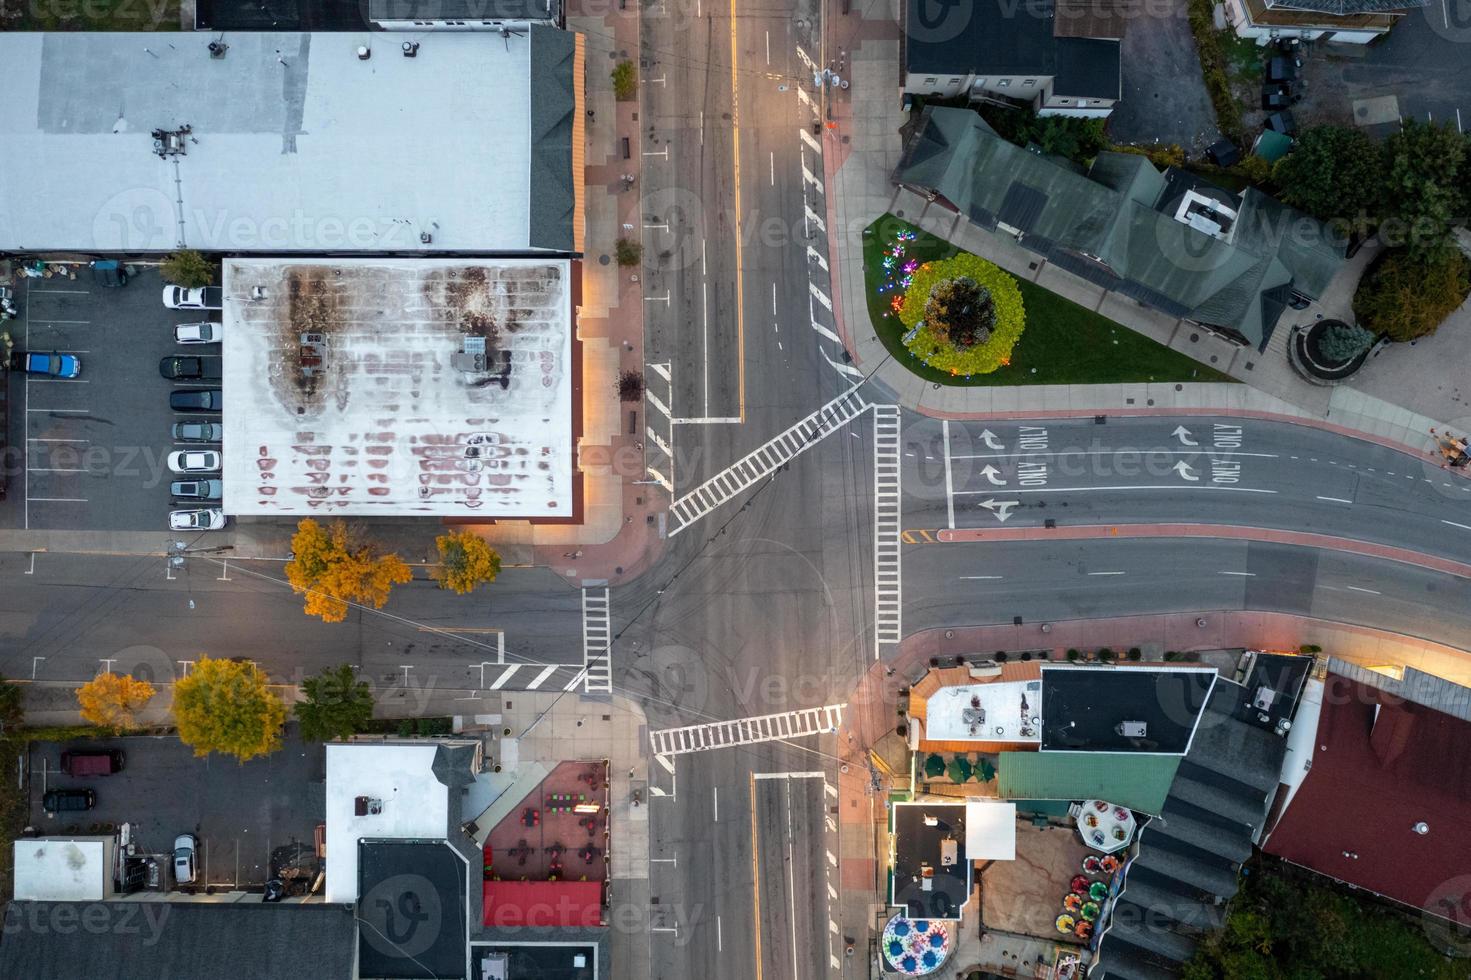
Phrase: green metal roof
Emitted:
{"points": [[1139, 782]]}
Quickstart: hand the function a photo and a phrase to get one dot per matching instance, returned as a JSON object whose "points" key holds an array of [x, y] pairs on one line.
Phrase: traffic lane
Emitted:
{"points": [[791, 854], [989, 583], [74, 610]]}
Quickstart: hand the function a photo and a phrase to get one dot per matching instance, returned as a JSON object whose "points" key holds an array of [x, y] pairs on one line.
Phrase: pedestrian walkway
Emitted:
{"points": [[888, 518], [597, 641], [862, 152], [766, 459], [744, 731]]}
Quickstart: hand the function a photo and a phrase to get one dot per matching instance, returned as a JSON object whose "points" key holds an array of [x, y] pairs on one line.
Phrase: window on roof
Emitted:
{"points": [[1064, 101], [931, 81], [1029, 81], [1003, 82]]}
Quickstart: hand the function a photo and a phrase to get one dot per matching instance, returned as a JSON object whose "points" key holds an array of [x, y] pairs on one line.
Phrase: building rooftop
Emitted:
{"points": [[1006, 711], [1137, 781], [1122, 709], [345, 395], [413, 910], [295, 144], [931, 871], [52, 869], [1387, 800], [471, 11], [243, 940], [533, 961], [412, 802]]}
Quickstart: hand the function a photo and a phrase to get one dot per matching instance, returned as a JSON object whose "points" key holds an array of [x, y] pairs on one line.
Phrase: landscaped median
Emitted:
{"points": [[1048, 341]]}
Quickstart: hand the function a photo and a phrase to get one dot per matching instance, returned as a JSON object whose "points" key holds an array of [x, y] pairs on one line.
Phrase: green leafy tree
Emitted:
{"points": [[961, 312], [335, 704], [1340, 343], [1405, 297], [625, 81], [466, 560], [226, 706], [188, 268], [1334, 172], [1422, 188]]}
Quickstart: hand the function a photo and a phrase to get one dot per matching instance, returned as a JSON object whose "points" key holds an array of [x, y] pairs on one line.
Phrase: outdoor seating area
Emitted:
{"points": [[958, 767], [559, 834], [1030, 895]]}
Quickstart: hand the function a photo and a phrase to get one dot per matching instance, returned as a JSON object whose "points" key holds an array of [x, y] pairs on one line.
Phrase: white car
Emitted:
{"points": [[204, 519], [194, 461], [199, 298], [197, 333], [186, 851]]}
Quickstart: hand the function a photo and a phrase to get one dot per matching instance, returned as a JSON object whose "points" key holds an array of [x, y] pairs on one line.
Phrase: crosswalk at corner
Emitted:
{"points": [[597, 641], [888, 597]]}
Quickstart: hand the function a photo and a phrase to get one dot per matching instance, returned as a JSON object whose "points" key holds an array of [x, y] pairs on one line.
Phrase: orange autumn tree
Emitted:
{"points": [[465, 561], [113, 700], [334, 565]]}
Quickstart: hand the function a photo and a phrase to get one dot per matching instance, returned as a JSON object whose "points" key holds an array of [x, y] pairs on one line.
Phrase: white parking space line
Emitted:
{"points": [[61, 411], [39, 439], [58, 500], [979, 578], [70, 323], [1241, 574], [60, 292], [56, 469], [1108, 573]]}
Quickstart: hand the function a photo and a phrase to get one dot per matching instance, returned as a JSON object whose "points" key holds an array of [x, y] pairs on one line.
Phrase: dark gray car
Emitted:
{"points": [[197, 400], [197, 489], [198, 431]]}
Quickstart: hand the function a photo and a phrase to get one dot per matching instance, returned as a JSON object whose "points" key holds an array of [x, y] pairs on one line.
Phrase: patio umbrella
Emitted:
{"points": [[934, 766], [987, 772], [959, 769]]}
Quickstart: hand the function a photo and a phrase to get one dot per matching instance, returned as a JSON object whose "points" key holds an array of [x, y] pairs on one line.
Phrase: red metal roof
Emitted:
{"points": [[543, 903], [1372, 780]]}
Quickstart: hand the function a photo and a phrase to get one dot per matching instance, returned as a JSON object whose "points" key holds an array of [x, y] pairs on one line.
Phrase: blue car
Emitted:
{"points": [[51, 365]]}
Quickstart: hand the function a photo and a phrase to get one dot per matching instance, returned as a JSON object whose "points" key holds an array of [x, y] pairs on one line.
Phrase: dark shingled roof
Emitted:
{"points": [[553, 194], [1086, 69], [1083, 707], [917, 845], [246, 940], [1382, 766]]}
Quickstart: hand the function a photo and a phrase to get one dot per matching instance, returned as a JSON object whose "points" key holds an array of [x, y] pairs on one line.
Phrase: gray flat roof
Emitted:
{"points": [[296, 144], [342, 398]]}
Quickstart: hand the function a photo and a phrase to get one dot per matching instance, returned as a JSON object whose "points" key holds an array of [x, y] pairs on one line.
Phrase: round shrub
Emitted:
{"points": [[983, 299]]}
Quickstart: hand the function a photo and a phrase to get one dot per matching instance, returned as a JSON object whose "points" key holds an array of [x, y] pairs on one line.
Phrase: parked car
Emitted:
{"points": [[190, 368], [199, 298], [197, 400], [61, 800], [194, 461], [186, 851], [109, 273], [198, 333], [97, 762], [52, 365], [204, 519], [198, 431], [197, 489]]}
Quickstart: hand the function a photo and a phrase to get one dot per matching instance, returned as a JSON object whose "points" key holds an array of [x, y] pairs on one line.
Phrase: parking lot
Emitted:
{"points": [[251, 818], [92, 452]]}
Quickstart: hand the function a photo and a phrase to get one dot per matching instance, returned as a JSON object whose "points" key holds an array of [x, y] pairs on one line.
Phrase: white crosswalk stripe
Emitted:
{"points": [[888, 600], [533, 677], [744, 731], [597, 638], [765, 460]]}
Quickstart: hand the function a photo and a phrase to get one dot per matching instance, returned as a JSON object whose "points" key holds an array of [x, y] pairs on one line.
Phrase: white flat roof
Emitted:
{"points": [[415, 804], [296, 143], [384, 424], [51, 870], [1002, 711], [990, 830]]}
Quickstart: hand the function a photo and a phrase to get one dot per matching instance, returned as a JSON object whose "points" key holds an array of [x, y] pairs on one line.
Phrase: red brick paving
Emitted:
{"points": [[554, 828]]}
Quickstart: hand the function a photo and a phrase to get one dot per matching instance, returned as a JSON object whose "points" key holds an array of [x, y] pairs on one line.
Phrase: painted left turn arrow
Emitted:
{"points": [[1000, 509], [1186, 473], [1183, 434], [992, 474]]}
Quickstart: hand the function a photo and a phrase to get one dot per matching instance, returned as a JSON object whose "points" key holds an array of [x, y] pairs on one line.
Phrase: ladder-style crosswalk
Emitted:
{"points": [[597, 639], [765, 459], [744, 731], [887, 508]]}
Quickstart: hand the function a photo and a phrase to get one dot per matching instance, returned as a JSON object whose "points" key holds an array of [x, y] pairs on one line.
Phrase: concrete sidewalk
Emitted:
{"points": [[860, 155]]}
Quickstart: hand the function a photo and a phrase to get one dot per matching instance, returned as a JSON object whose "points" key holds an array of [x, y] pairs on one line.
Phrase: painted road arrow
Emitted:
{"points": [[1183, 434], [1000, 509], [1186, 473], [991, 473], [989, 438]]}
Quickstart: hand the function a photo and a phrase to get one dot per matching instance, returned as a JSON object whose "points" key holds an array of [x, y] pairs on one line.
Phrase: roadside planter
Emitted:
{"points": [[964, 315], [1329, 351]]}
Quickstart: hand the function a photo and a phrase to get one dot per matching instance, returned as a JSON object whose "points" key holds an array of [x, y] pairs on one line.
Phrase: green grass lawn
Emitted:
{"points": [[95, 15], [1063, 343]]}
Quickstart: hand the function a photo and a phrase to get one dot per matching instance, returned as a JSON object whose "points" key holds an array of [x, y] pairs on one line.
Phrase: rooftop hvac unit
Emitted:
{"points": [[1132, 729], [366, 806], [467, 363]]}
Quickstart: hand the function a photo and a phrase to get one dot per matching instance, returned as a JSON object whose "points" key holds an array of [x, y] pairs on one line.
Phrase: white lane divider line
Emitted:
{"points": [[949, 477], [1355, 588], [1336, 500], [1464, 527], [1241, 574]]}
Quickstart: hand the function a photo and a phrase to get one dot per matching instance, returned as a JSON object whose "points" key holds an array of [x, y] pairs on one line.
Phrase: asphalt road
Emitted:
{"points": [[1196, 470]]}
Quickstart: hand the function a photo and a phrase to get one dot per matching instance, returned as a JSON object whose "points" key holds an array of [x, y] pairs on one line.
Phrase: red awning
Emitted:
{"points": [[543, 903]]}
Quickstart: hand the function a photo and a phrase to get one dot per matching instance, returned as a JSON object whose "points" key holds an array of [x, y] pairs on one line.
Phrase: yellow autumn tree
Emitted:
{"points": [[333, 565], [226, 706], [465, 561], [113, 700]]}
